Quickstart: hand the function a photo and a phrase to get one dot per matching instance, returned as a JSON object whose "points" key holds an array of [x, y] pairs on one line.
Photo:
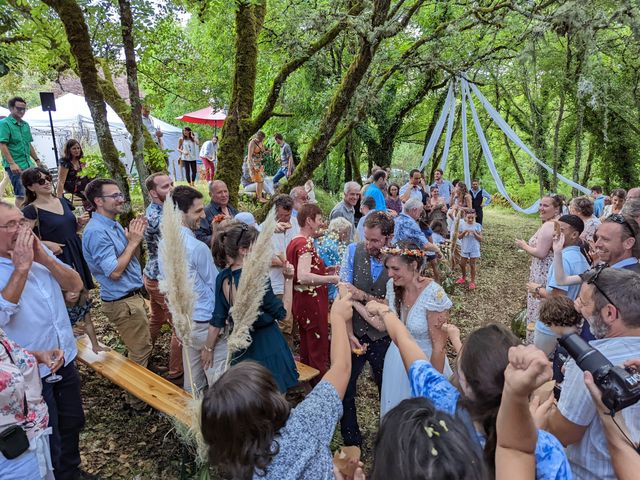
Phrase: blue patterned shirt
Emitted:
{"points": [[152, 237], [426, 381], [304, 440], [407, 230]]}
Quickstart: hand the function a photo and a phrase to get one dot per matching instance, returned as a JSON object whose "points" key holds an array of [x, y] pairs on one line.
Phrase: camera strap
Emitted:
{"points": [[25, 407]]}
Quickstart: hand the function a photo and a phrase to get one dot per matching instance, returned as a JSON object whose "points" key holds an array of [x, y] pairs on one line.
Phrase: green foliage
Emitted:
{"points": [[94, 166], [156, 159]]}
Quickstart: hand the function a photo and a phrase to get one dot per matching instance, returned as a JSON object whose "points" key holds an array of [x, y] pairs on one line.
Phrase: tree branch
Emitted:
{"points": [[294, 64]]}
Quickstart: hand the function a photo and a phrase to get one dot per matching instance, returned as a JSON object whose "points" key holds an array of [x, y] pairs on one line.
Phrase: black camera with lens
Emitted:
{"points": [[620, 387]]}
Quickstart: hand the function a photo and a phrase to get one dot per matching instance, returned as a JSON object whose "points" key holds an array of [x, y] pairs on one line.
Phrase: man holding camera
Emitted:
{"points": [[610, 301]]}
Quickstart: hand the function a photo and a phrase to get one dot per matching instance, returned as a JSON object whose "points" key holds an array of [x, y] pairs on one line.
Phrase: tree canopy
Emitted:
{"points": [[353, 83]]}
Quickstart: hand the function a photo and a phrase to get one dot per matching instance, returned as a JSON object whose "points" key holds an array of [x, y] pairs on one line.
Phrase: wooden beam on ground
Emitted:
{"points": [[152, 389]]}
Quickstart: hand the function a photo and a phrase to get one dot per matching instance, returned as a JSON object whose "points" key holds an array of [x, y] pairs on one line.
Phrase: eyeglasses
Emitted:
{"points": [[21, 109], [620, 220], [15, 224], [43, 180], [593, 279], [114, 196]]}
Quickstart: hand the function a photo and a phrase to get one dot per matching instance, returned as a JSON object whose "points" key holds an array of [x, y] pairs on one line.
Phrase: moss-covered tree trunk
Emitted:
{"points": [[72, 17], [238, 127], [137, 140], [319, 147]]}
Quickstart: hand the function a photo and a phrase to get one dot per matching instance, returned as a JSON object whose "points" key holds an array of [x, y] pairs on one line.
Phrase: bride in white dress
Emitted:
{"points": [[423, 306]]}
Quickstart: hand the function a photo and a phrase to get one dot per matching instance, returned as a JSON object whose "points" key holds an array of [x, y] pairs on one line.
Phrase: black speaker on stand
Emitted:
{"points": [[48, 102]]}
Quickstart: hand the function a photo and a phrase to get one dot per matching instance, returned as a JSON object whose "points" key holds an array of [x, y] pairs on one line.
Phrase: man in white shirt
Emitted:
{"points": [[33, 314], [414, 188], [204, 273], [445, 187], [610, 301], [283, 235]]}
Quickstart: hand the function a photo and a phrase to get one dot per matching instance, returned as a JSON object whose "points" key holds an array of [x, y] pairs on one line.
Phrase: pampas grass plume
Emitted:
{"points": [[252, 287], [176, 284]]}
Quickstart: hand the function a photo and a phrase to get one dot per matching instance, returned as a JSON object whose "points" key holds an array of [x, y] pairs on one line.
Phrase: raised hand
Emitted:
{"points": [[558, 242], [22, 255], [342, 306], [528, 369]]}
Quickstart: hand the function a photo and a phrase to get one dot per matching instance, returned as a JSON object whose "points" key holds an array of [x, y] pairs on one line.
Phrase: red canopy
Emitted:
{"points": [[205, 116]]}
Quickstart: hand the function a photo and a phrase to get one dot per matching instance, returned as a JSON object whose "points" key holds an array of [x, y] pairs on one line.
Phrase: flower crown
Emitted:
{"points": [[405, 252]]}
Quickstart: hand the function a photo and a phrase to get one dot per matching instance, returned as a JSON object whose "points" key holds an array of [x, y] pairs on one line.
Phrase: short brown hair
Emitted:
{"points": [[150, 181], [584, 205], [308, 210], [559, 311], [241, 414], [381, 220]]}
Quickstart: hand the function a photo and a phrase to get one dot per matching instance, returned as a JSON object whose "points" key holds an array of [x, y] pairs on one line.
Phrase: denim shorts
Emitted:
{"points": [[16, 183]]}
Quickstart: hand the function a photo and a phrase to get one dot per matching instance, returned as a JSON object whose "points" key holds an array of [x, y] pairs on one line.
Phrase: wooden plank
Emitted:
{"points": [[137, 380], [305, 372], [146, 385]]}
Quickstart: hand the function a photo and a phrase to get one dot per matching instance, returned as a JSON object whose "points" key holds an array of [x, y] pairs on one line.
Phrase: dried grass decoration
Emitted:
{"points": [[176, 284], [251, 288]]}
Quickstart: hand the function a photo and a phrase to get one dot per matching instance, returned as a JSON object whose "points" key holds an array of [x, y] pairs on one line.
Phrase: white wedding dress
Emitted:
{"points": [[395, 381]]}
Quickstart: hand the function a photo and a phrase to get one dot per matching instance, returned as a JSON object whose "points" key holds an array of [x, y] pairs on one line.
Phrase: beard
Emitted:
{"points": [[598, 328]]}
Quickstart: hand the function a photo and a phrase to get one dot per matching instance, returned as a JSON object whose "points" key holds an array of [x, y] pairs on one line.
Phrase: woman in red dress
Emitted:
{"points": [[310, 295]]}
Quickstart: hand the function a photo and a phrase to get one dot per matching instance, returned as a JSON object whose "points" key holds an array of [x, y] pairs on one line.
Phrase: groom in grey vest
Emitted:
{"points": [[366, 276]]}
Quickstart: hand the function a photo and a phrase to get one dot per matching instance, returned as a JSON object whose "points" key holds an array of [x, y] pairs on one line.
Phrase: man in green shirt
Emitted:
{"points": [[15, 145]]}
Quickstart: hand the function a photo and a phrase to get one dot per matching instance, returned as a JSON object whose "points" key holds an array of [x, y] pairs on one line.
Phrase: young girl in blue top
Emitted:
{"points": [[481, 365], [470, 236]]}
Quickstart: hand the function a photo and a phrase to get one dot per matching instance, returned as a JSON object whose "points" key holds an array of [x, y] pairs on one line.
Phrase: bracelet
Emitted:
{"points": [[208, 349]]}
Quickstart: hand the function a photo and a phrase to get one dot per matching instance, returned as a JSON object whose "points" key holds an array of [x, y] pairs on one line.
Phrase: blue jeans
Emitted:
{"points": [[376, 351], [280, 174], [66, 418], [16, 183]]}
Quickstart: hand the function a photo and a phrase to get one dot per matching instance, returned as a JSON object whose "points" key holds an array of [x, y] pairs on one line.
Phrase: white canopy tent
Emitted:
{"points": [[72, 119], [4, 112]]}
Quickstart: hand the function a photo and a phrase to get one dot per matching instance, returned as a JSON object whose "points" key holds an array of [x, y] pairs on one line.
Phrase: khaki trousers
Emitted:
{"points": [[130, 319], [288, 327]]}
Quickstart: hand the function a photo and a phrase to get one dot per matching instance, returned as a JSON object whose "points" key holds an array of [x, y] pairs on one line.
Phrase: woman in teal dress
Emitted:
{"points": [[268, 347]]}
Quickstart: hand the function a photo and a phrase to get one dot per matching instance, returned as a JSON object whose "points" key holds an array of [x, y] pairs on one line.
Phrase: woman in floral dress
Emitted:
{"points": [[541, 251]]}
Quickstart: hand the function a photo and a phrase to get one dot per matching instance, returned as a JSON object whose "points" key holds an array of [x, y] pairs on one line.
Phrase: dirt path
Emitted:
{"points": [[117, 444]]}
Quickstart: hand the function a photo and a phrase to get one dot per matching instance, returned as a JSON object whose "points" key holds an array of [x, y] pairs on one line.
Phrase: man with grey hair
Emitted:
{"points": [[347, 207], [407, 228], [610, 301]]}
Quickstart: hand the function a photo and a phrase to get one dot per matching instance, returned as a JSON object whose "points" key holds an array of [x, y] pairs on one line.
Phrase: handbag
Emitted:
{"points": [[13, 440]]}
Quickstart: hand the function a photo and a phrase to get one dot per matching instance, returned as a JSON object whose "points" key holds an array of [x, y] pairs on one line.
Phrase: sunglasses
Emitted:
{"points": [[620, 220], [43, 180], [594, 274]]}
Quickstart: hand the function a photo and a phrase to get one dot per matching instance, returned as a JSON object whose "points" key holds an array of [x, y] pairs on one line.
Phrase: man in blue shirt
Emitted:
{"points": [[364, 273], [33, 314], [375, 190], [110, 252], [598, 200], [445, 187], [159, 185], [573, 263], [196, 357]]}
